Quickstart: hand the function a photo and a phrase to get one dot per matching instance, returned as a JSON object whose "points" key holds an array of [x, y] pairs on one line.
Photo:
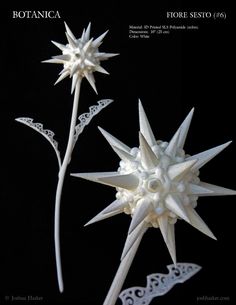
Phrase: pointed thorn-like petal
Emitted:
{"points": [[87, 45], [171, 242], [198, 190], [145, 127], [102, 216], [62, 76], [94, 176], [83, 36], [128, 181], [197, 222], [133, 249], [132, 237], [177, 171], [87, 32], [101, 70], [74, 69], [140, 213], [215, 190], [163, 224], [64, 70], [123, 154], [63, 57], [148, 157], [89, 63], [174, 204], [69, 32], [71, 41], [184, 127], [53, 61], [98, 41], [114, 141], [116, 205], [207, 155], [60, 46], [173, 145], [104, 56], [90, 80]]}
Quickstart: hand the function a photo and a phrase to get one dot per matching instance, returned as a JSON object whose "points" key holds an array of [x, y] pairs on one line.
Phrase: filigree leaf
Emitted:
{"points": [[86, 117], [158, 284], [48, 134]]}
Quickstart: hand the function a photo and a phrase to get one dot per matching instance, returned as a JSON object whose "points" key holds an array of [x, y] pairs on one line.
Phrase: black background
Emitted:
{"points": [[171, 74]]}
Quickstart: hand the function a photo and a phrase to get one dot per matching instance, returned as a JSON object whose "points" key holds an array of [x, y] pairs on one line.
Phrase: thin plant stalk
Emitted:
{"points": [[122, 272], [61, 177]]}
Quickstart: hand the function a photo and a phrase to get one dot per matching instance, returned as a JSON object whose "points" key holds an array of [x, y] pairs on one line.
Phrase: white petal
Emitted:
{"points": [[114, 141], [173, 145], [53, 61], [87, 32], [71, 42], [87, 45], [89, 63], [116, 205], [207, 155], [177, 171], [132, 237], [128, 181], [174, 204], [123, 154], [196, 189], [83, 36], [63, 57], [171, 242], [197, 222], [60, 46], [69, 32], [163, 224], [62, 76], [75, 68], [104, 56], [149, 159], [90, 79], [216, 190], [140, 213], [94, 176], [102, 216], [145, 128], [184, 129], [98, 41], [64, 70], [101, 70]]}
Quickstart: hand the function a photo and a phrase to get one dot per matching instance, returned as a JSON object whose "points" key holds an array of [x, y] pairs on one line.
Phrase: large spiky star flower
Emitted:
{"points": [[157, 183], [80, 57]]}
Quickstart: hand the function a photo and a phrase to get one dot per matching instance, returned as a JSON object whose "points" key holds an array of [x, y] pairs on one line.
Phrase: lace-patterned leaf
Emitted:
{"points": [[48, 134], [158, 284], [86, 117]]}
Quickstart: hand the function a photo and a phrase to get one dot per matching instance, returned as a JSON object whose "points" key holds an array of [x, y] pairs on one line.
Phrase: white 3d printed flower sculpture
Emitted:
{"points": [[80, 58], [156, 184]]}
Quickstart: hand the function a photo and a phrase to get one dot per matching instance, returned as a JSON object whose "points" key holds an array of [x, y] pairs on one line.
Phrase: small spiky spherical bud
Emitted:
{"points": [[80, 57]]}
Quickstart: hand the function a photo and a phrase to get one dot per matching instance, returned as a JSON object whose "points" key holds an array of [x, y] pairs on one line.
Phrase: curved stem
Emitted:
{"points": [[61, 177]]}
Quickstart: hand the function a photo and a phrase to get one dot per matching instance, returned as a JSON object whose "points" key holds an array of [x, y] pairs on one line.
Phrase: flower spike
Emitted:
{"points": [[81, 57]]}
